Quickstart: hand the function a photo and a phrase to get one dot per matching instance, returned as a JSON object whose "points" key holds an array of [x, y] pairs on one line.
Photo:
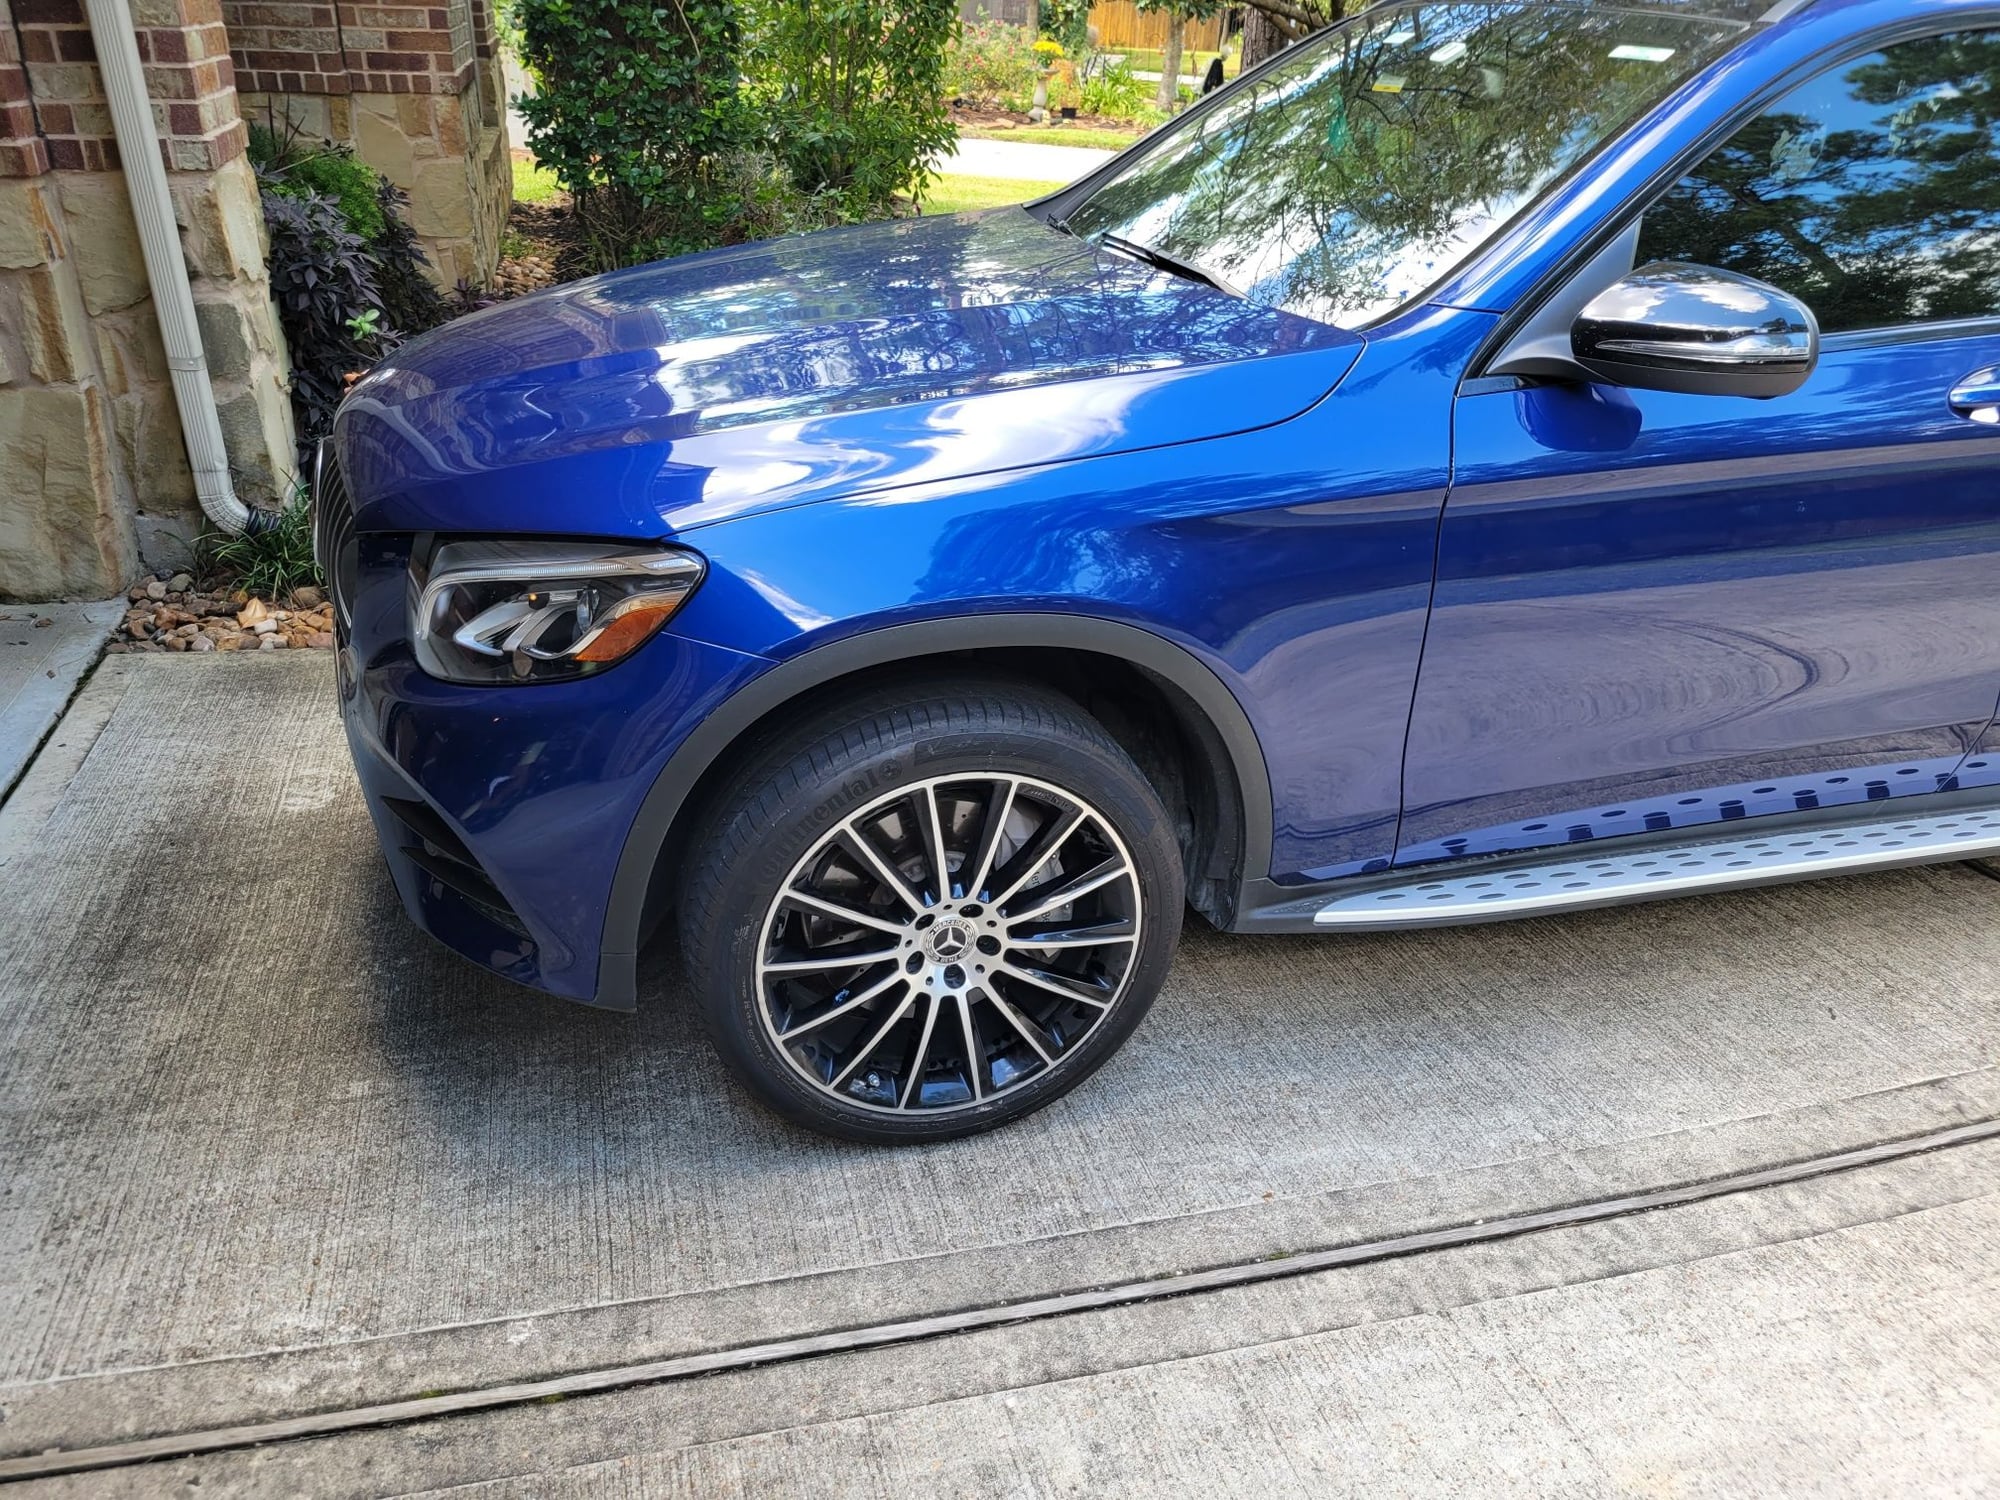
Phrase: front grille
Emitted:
{"points": [[335, 546], [432, 847]]}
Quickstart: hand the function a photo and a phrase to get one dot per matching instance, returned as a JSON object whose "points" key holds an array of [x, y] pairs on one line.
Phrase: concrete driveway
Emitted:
{"points": [[271, 1160]]}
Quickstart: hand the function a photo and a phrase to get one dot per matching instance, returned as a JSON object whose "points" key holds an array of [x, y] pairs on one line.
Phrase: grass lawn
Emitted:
{"points": [[533, 184], [1055, 135], [950, 195], [945, 195], [1194, 64]]}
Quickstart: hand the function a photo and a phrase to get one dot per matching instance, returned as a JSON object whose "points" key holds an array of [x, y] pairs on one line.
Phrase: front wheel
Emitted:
{"points": [[931, 914]]}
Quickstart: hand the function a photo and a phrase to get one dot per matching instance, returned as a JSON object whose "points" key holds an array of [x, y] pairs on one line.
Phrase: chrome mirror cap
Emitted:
{"points": [[1670, 326]]}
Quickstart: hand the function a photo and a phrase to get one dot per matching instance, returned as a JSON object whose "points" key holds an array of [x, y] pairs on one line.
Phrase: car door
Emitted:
{"points": [[1654, 610]]}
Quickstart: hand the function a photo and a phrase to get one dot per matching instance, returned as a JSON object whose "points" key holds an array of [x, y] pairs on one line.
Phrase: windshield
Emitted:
{"points": [[1366, 165]]}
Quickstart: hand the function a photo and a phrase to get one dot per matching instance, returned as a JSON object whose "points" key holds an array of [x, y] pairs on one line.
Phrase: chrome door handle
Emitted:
{"points": [[1978, 395]]}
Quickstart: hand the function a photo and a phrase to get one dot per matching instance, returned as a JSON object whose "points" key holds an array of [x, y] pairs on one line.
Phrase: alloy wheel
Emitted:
{"points": [[949, 943]]}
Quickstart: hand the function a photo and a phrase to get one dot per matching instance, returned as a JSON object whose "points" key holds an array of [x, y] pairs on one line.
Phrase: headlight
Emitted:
{"points": [[542, 611]]}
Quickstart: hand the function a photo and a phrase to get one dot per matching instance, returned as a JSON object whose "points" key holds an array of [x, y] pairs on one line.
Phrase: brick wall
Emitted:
{"points": [[286, 48], [189, 75], [413, 88], [22, 150]]}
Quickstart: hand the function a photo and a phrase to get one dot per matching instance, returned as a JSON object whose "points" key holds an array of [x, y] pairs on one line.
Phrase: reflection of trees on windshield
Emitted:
{"points": [[1359, 173], [1872, 193]]}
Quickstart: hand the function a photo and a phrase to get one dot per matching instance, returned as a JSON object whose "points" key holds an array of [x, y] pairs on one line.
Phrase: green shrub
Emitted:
{"points": [[992, 64], [1113, 93], [635, 104], [854, 93], [507, 26], [768, 203], [335, 174], [293, 169]]}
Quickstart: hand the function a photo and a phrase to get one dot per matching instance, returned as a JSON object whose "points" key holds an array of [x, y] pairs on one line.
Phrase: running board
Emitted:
{"points": [[1646, 874]]}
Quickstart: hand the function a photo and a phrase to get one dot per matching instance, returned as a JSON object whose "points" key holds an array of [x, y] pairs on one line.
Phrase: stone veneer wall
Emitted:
{"points": [[93, 472], [414, 88]]}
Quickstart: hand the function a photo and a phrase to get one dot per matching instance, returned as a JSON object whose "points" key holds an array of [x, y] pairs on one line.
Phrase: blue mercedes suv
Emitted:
{"points": [[1493, 459]]}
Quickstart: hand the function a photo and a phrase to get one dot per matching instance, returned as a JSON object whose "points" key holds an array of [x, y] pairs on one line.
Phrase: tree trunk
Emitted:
{"points": [[1262, 37], [1170, 66]]}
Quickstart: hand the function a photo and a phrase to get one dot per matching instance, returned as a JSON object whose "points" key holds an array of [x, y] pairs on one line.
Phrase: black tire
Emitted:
{"points": [[1000, 770]]}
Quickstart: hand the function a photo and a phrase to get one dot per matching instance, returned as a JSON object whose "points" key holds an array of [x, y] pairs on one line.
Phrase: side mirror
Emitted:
{"points": [[1670, 326]]}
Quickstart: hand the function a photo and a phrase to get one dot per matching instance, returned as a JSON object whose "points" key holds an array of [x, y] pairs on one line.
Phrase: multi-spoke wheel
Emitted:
{"points": [[962, 905]]}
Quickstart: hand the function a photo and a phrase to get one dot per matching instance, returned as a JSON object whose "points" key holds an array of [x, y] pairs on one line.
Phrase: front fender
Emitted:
{"points": [[770, 691]]}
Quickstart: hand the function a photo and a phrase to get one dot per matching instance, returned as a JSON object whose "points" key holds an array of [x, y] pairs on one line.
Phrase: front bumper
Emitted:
{"points": [[503, 811]]}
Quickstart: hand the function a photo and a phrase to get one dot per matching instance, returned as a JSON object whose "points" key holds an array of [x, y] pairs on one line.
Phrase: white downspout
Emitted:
{"points": [[166, 268]]}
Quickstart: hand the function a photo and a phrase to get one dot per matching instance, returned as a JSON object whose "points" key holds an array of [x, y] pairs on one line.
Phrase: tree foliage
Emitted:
{"points": [[1877, 208], [1293, 20], [1178, 14], [1359, 168]]}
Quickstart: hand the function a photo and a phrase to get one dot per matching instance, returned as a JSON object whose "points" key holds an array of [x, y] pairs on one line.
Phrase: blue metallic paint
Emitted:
{"points": [[739, 381], [1644, 598], [919, 424]]}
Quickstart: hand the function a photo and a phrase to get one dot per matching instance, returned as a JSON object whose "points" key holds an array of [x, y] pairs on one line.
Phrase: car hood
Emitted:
{"points": [[657, 399]]}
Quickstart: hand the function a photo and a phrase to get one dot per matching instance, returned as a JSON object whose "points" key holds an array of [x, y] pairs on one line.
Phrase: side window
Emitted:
{"points": [[1872, 192]]}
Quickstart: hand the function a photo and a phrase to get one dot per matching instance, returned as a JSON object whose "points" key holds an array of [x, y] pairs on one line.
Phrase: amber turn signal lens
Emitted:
{"points": [[629, 631]]}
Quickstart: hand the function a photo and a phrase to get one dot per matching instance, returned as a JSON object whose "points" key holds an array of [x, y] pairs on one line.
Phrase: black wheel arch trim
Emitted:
{"points": [[790, 679]]}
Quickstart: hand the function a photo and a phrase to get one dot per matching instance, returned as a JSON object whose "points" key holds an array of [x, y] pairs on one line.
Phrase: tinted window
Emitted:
{"points": [[1373, 159], [1873, 192]]}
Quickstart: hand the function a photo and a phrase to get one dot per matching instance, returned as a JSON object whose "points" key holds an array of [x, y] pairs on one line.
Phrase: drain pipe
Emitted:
{"points": [[166, 267]]}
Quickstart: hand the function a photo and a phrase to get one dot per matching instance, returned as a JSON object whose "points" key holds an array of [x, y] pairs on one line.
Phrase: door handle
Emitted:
{"points": [[1978, 395]]}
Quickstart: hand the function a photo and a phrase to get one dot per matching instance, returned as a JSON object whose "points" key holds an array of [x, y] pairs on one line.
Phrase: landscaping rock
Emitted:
{"points": [[192, 619]]}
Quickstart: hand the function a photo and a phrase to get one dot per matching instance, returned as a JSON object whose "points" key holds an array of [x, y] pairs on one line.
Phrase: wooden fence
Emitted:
{"points": [[1120, 24]]}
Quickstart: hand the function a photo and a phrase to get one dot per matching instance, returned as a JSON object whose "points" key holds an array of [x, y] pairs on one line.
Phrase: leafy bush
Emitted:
{"points": [[1113, 93], [768, 202], [634, 105], [328, 305], [854, 91], [992, 64], [295, 170], [507, 26]]}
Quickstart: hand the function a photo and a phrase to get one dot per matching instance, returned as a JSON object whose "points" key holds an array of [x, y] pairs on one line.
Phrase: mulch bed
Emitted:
{"points": [[985, 117]]}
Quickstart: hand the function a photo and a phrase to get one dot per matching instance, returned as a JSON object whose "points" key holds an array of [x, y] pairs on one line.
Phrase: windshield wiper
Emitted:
{"points": [[1187, 270]]}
